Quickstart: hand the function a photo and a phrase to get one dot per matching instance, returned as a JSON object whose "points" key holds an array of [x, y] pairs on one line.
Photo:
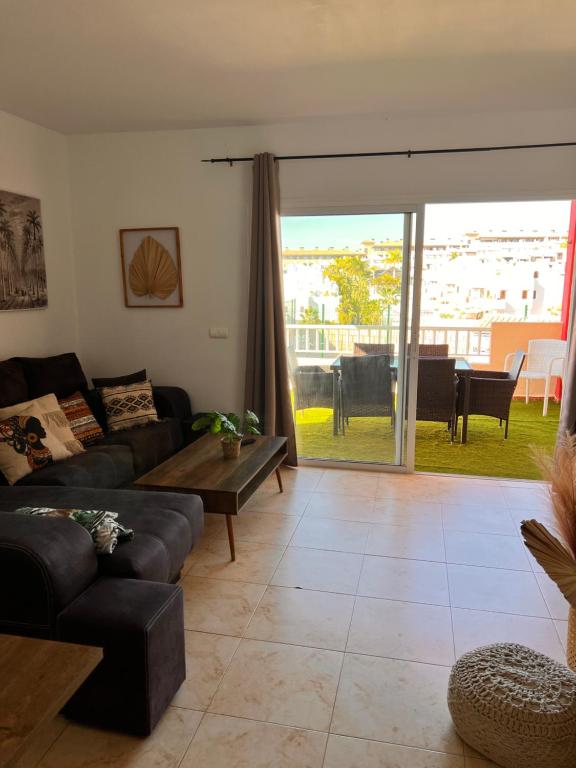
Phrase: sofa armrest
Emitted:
{"points": [[172, 401], [45, 563]]}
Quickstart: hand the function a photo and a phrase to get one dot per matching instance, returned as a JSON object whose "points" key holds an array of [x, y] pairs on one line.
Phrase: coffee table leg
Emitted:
{"points": [[231, 537], [279, 478]]}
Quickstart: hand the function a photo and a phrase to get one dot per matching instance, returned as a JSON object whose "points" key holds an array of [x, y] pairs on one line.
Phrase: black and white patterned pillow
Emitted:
{"points": [[129, 405]]}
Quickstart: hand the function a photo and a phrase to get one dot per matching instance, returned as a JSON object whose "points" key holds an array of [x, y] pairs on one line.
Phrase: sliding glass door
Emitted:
{"points": [[351, 310]]}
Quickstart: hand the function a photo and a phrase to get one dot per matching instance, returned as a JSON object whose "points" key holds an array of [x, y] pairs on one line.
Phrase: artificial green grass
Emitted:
{"points": [[485, 453]]}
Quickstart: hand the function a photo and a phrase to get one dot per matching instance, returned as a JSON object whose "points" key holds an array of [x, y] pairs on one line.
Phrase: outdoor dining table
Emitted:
{"points": [[463, 370]]}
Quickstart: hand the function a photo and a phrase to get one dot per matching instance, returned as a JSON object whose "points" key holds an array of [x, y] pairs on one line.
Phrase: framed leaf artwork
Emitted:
{"points": [[151, 269]]}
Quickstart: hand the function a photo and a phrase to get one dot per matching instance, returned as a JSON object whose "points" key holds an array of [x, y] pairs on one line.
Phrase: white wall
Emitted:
{"points": [[34, 161], [157, 179]]}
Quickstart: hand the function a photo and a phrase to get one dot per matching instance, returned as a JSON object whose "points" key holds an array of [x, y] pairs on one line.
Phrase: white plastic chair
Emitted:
{"points": [[546, 359]]}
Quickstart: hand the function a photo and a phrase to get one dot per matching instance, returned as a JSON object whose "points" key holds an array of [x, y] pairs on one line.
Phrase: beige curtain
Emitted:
{"points": [[267, 390]]}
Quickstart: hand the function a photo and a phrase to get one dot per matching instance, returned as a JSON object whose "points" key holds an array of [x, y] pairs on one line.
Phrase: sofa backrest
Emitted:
{"points": [[45, 563]]}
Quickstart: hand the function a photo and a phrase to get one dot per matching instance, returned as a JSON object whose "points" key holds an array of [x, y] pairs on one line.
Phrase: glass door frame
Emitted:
{"points": [[405, 439]]}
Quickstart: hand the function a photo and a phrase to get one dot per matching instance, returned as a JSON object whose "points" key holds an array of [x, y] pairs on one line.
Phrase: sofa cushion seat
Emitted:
{"points": [[151, 444], [101, 466], [166, 525]]}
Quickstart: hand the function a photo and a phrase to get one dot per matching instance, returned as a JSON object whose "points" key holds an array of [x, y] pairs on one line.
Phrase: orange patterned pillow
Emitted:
{"points": [[81, 419]]}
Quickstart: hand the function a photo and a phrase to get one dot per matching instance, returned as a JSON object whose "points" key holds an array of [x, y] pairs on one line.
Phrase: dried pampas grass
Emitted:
{"points": [[560, 470]]}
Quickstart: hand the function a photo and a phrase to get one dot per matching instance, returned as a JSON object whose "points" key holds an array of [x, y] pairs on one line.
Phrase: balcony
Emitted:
{"points": [[370, 439]]}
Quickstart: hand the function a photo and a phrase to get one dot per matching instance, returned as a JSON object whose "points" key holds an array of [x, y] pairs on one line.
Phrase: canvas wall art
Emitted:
{"points": [[22, 267], [151, 268]]}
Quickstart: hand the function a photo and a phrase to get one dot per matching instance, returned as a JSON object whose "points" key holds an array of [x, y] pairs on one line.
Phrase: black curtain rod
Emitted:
{"points": [[398, 153]]}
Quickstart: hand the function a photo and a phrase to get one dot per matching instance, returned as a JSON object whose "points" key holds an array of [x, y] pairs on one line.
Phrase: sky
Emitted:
{"points": [[450, 220]]}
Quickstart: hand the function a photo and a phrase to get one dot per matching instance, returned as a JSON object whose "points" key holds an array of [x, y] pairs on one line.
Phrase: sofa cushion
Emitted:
{"points": [[106, 466], [128, 406], [27, 444], [166, 525], [60, 374], [13, 385], [55, 419], [151, 444], [116, 381], [81, 419]]}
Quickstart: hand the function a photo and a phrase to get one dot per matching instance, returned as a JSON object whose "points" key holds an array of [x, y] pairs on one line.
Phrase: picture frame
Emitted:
{"points": [[23, 284], [151, 267]]}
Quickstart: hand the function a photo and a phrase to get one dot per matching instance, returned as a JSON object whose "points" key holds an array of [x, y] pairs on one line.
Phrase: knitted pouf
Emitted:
{"points": [[515, 706]]}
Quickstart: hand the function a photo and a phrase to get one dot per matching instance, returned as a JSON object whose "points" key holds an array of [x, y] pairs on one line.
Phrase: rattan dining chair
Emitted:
{"points": [[436, 391], [431, 350], [488, 393], [366, 388], [360, 348]]}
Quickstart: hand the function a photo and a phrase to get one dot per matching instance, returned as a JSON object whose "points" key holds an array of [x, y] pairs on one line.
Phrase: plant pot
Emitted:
{"points": [[231, 448], [571, 641]]}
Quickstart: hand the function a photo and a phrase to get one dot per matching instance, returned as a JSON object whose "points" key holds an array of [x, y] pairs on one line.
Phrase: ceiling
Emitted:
{"points": [[114, 65]]}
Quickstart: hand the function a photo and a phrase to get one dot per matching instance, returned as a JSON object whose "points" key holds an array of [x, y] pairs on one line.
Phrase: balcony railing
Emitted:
{"points": [[333, 340]]}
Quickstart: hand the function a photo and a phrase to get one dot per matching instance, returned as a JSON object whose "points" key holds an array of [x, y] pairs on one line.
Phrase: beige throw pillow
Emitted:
{"points": [[27, 444], [56, 419], [129, 405]]}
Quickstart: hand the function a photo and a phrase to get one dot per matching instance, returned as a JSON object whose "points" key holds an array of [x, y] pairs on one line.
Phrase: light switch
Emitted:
{"points": [[218, 333]]}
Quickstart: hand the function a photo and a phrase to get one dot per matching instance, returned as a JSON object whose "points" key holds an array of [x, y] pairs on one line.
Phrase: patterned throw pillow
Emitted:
{"points": [[81, 419], [54, 417], [102, 526], [131, 405], [27, 444]]}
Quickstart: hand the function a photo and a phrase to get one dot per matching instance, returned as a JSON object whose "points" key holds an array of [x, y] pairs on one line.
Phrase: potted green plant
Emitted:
{"points": [[232, 428]]}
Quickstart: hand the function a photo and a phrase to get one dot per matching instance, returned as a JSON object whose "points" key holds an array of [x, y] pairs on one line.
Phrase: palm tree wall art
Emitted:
{"points": [[22, 267]]}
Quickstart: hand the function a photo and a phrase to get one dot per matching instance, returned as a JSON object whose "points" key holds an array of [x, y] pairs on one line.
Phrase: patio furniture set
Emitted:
{"points": [[364, 384]]}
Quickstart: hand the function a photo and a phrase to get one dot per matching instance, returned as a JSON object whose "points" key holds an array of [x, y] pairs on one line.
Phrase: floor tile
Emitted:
{"points": [[477, 519], [262, 527], [412, 513], [408, 487], [492, 495], [562, 629], [349, 481], [486, 549], [413, 581], [476, 762], [284, 684], [302, 617], [83, 747], [411, 542], [395, 701], [347, 752], [338, 535], [535, 498], [495, 589], [230, 742], [273, 502], [296, 479], [473, 629], [222, 607], [410, 631], [319, 569], [254, 562], [555, 600], [207, 657], [341, 507]]}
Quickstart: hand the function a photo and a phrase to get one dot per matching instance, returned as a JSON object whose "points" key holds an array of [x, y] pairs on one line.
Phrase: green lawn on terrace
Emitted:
{"points": [[486, 452]]}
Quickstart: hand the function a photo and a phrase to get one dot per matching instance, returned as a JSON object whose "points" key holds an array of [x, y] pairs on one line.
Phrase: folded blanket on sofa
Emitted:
{"points": [[102, 526]]}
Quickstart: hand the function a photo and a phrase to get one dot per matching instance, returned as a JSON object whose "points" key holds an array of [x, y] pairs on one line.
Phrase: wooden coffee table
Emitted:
{"points": [[37, 679], [225, 485]]}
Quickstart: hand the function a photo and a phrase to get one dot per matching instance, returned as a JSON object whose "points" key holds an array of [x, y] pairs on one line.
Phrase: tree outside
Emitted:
{"points": [[365, 293]]}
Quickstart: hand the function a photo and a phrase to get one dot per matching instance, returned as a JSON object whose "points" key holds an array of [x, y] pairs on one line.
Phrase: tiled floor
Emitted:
{"points": [[329, 641]]}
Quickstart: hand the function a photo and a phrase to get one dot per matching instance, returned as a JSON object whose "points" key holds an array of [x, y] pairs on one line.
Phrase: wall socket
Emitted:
{"points": [[218, 333]]}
